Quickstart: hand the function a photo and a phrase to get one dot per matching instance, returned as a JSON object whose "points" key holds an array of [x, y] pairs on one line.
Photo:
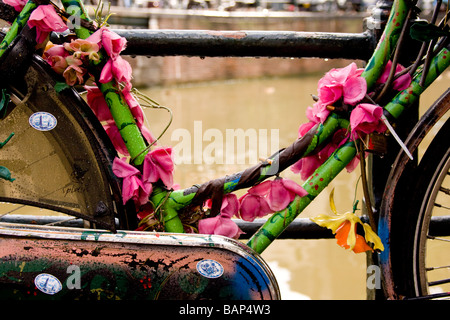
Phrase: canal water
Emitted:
{"points": [[264, 114]]}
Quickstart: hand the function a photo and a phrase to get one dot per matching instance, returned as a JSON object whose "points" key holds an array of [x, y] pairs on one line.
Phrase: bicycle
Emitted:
{"points": [[169, 207]]}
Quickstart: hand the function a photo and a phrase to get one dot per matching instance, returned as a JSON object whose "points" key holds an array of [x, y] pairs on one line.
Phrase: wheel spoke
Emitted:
{"points": [[441, 206], [437, 238], [438, 282], [431, 296], [436, 268], [445, 190]]}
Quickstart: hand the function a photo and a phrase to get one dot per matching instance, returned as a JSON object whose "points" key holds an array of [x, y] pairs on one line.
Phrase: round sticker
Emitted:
{"points": [[210, 268], [47, 283], [42, 121]]}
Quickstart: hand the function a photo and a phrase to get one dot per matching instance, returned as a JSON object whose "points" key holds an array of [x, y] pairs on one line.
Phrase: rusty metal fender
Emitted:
{"points": [[61, 263]]}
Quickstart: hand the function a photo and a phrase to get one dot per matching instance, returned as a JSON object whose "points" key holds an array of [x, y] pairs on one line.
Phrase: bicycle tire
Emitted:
{"points": [[79, 145], [409, 214]]}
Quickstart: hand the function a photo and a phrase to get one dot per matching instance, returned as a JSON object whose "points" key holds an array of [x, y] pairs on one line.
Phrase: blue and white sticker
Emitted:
{"points": [[47, 283], [43, 121], [210, 268]]}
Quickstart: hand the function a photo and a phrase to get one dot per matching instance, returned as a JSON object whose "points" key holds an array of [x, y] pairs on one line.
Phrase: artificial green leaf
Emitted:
{"points": [[5, 174], [424, 31], [4, 101], [60, 86], [2, 144]]}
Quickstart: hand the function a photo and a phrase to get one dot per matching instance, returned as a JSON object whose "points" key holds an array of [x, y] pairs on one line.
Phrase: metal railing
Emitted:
{"points": [[283, 44]]}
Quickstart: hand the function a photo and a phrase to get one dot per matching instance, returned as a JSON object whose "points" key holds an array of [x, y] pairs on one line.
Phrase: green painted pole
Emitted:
{"points": [[130, 132], [387, 43], [279, 221], [410, 95], [125, 121], [168, 207]]}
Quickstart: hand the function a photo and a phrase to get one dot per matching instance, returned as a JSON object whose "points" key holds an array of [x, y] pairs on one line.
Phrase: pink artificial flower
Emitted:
{"points": [[135, 107], [158, 165], [132, 185], [282, 192], [109, 40], [222, 223], [219, 225], [365, 119], [254, 203], [307, 165], [96, 37], [118, 69], [304, 128], [116, 138], [74, 74], [401, 83], [17, 4], [97, 103], [229, 207], [81, 48], [55, 50], [343, 83], [58, 63], [318, 113], [46, 20], [113, 43], [55, 56]]}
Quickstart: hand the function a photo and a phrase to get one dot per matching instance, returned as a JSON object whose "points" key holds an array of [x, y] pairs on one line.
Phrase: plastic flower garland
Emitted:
{"points": [[346, 86], [342, 86]]}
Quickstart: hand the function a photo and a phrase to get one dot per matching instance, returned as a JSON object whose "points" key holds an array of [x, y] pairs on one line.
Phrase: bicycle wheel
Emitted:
{"points": [[64, 165], [419, 243]]}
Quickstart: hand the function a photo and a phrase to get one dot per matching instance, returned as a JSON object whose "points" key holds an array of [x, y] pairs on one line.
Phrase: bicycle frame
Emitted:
{"points": [[172, 201]]}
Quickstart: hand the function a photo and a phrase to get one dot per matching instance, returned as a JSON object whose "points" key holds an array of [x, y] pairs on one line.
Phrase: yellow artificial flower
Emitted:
{"points": [[344, 226]]}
